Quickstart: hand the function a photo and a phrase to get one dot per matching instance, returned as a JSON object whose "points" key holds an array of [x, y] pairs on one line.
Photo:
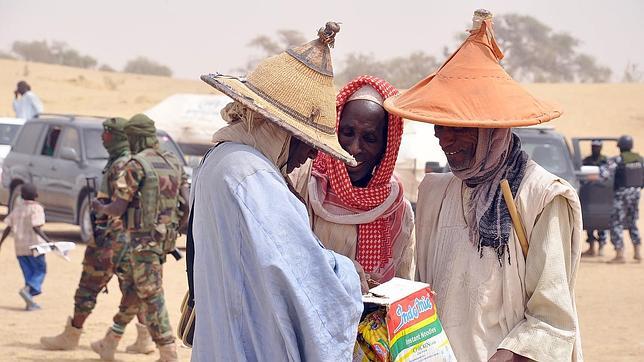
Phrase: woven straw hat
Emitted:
{"points": [[471, 89], [295, 90]]}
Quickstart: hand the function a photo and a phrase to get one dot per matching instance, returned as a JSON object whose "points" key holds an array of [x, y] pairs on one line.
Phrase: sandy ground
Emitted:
{"points": [[609, 297]]}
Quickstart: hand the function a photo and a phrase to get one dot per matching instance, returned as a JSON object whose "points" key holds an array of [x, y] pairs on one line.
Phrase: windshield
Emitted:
{"points": [[96, 151], [8, 133]]}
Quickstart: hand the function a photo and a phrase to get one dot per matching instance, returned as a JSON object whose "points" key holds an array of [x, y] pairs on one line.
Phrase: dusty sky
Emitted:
{"points": [[195, 37]]}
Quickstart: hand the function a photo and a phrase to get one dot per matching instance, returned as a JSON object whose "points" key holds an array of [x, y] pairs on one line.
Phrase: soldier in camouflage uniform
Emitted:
{"points": [[150, 194], [629, 177], [106, 249]]}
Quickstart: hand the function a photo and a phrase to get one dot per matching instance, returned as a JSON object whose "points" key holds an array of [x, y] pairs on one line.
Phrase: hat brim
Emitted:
{"points": [[237, 90], [390, 106]]}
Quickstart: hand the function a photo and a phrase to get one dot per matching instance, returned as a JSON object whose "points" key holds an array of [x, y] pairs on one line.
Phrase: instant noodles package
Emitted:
{"points": [[401, 324]]}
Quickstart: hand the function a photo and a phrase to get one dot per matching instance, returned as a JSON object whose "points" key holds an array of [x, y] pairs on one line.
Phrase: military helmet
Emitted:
{"points": [[625, 143]]}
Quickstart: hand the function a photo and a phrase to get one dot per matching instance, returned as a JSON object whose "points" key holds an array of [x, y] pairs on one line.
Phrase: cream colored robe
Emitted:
{"points": [[527, 306]]}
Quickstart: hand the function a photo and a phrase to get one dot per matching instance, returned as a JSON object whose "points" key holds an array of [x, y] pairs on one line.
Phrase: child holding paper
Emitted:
{"points": [[26, 221]]}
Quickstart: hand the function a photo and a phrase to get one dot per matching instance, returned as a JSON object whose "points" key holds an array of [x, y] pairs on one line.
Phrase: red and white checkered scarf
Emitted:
{"points": [[375, 239]]}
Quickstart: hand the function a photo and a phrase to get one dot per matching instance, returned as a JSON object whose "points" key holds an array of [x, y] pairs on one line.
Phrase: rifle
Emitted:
{"points": [[91, 194], [176, 253]]}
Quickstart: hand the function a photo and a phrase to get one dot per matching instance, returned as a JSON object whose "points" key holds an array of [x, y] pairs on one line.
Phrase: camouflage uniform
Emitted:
{"points": [[625, 215], [96, 275], [140, 271], [625, 206], [600, 235]]}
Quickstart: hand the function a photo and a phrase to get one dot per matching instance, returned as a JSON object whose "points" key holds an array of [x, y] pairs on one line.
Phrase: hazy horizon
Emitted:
{"points": [[196, 37]]}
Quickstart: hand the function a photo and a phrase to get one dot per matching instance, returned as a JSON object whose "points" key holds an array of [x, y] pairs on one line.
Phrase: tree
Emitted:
{"points": [[56, 53], [535, 53], [632, 74], [402, 72], [106, 68], [142, 65], [286, 38]]}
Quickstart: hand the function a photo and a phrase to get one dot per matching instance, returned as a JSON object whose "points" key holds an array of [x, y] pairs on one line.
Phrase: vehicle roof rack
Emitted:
{"points": [[69, 116]]}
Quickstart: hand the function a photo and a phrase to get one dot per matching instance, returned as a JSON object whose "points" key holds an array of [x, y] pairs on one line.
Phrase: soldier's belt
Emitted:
{"points": [[140, 234]]}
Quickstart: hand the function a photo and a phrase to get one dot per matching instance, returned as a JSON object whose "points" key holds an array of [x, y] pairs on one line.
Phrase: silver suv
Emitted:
{"points": [[57, 153]]}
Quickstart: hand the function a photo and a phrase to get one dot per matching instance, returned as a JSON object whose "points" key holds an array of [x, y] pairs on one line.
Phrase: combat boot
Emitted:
{"points": [[106, 347], [143, 342], [65, 341], [638, 255], [619, 257], [600, 251], [590, 252], [168, 353]]}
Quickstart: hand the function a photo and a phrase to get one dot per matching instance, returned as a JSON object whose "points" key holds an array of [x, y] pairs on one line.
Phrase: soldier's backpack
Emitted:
{"points": [[155, 206]]}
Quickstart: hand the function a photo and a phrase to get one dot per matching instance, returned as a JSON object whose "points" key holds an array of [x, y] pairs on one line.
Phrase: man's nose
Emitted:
{"points": [[355, 147]]}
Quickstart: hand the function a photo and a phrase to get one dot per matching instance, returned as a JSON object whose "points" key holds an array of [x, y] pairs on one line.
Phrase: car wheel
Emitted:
{"points": [[85, 222], [14, 198]]}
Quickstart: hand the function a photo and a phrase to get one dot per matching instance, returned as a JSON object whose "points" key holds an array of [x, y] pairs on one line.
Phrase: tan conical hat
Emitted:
{"points": [[295, 90], [471, 89]]}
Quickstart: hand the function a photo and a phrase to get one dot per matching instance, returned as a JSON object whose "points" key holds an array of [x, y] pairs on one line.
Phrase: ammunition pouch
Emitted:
{"points": [[166, 235], [143, 241]]}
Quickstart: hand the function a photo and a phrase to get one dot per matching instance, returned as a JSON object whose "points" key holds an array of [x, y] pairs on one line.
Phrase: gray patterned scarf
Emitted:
{"points": [[498, 156]]}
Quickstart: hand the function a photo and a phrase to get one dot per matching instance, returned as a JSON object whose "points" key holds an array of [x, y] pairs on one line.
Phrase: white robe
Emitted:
{"points": [[27, 106], [527, 306]]}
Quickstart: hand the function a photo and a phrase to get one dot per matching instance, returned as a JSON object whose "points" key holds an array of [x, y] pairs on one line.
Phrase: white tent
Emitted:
{"points": [[190, 119], [418, 146]]}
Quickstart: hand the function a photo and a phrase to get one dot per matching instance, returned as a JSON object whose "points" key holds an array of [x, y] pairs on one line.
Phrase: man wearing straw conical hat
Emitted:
{"points": [[264, 287], [495, 302]]}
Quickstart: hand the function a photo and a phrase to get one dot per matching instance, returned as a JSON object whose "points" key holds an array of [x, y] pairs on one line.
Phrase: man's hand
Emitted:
{"points": [[97, 206], [504, 355], [364, 284], [105, 258]]}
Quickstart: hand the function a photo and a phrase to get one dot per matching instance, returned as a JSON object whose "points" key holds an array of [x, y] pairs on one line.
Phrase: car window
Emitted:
{"points": [[8, 133], [26, 142], [51, 139], [94, 145], [70, 139], [550, 154]]}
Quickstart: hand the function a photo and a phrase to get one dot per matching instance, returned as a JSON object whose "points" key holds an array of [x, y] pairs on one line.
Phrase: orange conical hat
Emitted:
{"points": [[471, 89]]}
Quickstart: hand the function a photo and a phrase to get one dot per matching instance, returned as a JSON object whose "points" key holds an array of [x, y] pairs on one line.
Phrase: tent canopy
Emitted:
{"points": [[190, 119]]}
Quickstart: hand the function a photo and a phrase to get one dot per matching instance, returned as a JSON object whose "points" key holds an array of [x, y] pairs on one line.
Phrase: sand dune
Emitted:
{"points": [[609, 297]]}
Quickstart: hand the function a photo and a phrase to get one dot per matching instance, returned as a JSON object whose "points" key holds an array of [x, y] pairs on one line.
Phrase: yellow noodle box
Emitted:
{"points": [[414, 332]]}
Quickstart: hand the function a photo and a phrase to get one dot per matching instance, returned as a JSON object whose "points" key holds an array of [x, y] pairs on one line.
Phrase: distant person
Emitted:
{"points": [[595, 159], [629, 177], [26, 103], [26, 221]]}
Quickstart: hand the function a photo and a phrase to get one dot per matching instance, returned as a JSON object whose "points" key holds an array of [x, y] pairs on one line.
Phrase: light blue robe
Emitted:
{"points": [[265, 288]]}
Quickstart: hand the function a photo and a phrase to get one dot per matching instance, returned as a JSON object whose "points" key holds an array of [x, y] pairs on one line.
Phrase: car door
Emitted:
{"points": [[64, 172], [19, 166], [595, 192], [41, 164]]}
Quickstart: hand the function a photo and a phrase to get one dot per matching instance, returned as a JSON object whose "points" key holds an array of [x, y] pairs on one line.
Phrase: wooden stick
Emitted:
{"points": [[516, 218]]}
